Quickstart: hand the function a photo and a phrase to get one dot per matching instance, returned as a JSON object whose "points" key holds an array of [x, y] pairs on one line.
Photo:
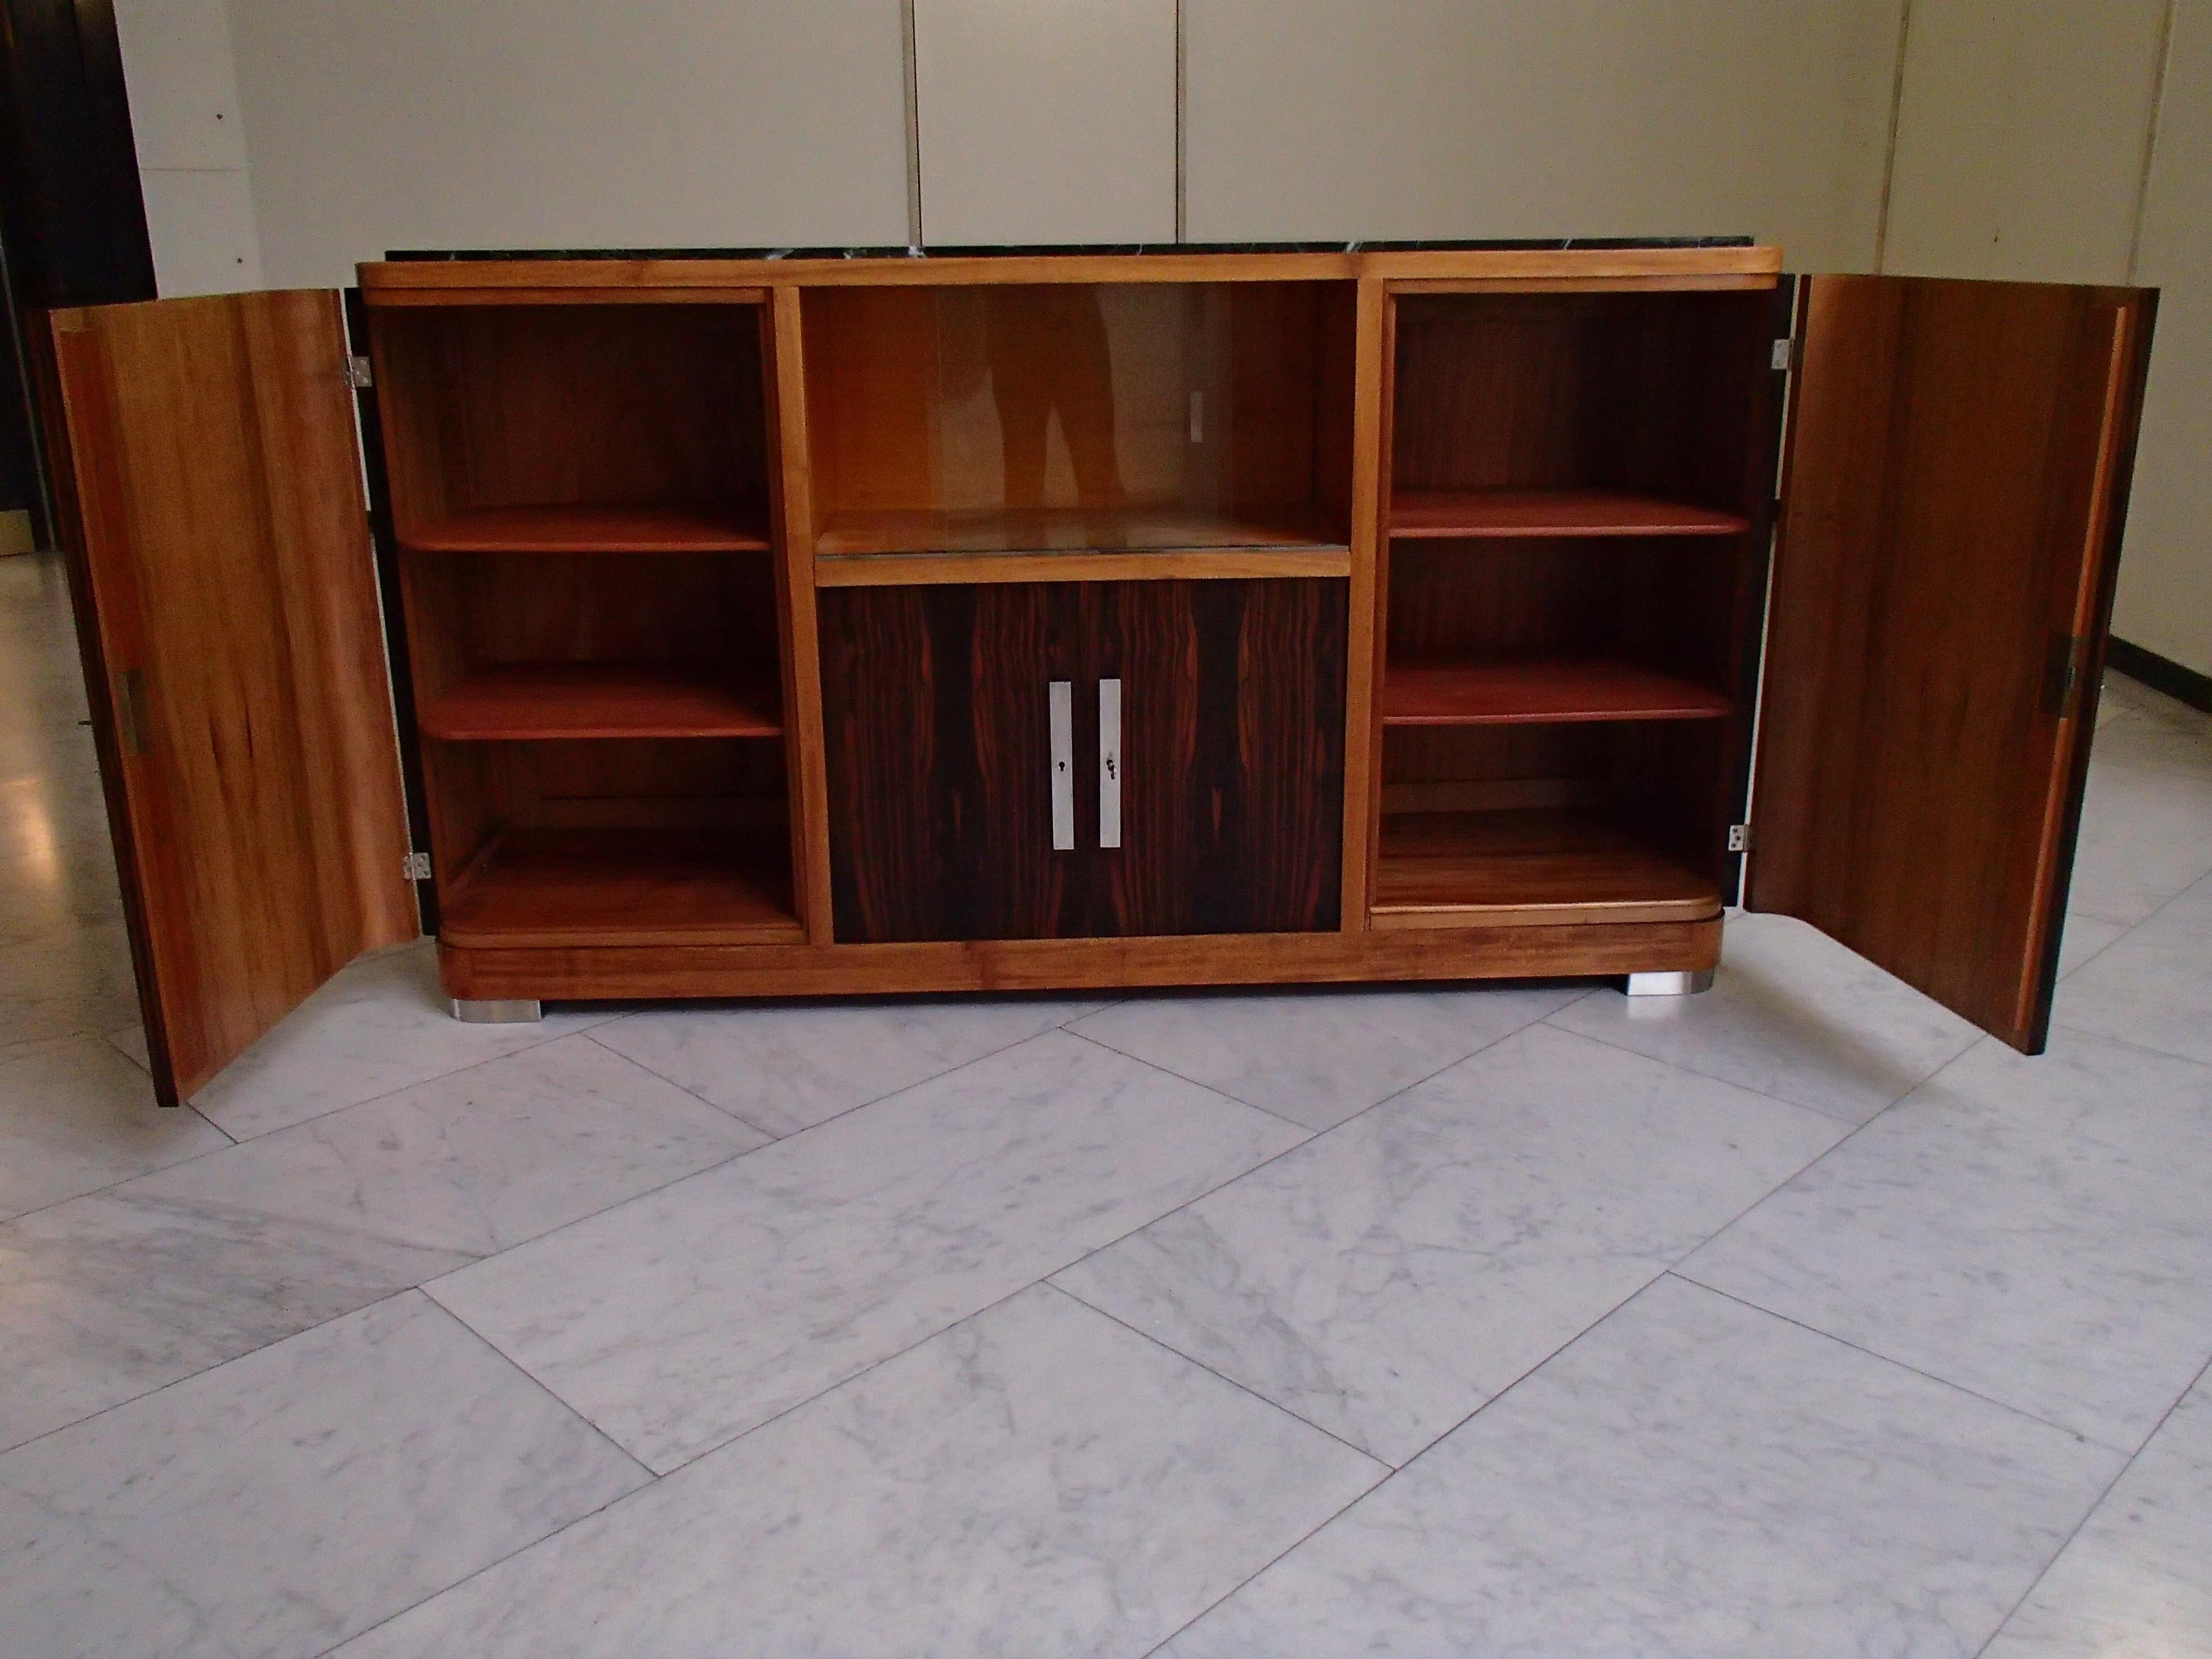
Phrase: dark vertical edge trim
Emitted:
{"points": [[398, 666], [1784, 318], [2037, 1036], [92, 651], [2177, 680]]}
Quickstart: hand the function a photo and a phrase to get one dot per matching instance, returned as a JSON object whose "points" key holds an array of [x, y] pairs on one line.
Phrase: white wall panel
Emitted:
{"points": [[2020, 138], [2165, 600], [569, 124], [1321, 119], [1047, 120], [201, 222]]}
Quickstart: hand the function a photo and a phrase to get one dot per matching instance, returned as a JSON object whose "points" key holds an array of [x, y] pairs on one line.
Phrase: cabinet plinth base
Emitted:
{"points": [[1674, 983], [626, 973], [496, 1011]]}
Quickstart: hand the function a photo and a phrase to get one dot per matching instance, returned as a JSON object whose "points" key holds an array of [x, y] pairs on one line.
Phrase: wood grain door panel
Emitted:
{"points": [[939, 756], [1959, 459], [228, 611]]}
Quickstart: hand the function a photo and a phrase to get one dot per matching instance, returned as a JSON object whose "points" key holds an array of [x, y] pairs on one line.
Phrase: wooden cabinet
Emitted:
{"points": [[1190, 779], [1413, 613]]}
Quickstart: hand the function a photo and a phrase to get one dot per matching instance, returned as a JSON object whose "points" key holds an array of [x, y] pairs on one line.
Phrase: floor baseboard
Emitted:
{"points": [[2160, 673]]}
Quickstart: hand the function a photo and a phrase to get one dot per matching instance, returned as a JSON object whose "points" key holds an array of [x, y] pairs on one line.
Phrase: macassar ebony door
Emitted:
{"points": [[1066, 760], [1954, 492]]}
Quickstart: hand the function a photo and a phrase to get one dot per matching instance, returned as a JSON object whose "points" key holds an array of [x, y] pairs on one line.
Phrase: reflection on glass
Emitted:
{"points": [[1061, 417]]}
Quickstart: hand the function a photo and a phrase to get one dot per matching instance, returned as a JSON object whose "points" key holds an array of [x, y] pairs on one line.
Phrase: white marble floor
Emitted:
{"points": [[1793, 1320]]}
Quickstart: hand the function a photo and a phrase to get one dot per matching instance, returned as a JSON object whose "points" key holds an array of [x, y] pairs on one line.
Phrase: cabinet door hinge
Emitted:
{"points": [[358, 374], [2062, 676], [416, 866], [1738, 838], [1787, 354]]}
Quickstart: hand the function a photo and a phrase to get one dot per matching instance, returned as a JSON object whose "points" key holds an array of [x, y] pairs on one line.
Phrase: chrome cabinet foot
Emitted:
{"points": [[507, 1011], [1680, 984]]}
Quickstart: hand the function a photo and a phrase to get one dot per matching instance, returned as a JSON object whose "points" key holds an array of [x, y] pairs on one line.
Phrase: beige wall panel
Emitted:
{"points": [[2019, 138], [1046, 120], [567, 124], [1316, 119], [2165, 599]]}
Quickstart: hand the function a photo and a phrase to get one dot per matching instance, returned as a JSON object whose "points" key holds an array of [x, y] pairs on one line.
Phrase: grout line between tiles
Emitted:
{"points": [[1164, 1346], [2089, 1514], [1889, 1359], [204, 1371]]}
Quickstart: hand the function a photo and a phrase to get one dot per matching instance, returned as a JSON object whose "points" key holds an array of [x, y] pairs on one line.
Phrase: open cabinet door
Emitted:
{"points": [[1959, 457], [227, 609]]}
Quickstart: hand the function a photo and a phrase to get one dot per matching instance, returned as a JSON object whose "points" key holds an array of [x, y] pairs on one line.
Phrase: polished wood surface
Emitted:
{"points": [[770, 971], [591, 530], [223, 542], [1363, 622], [909, 570], [629, 886], [605, 407], [391, 282], [791, 500], [1529, 866], [1495, 693], [1072, 530], [1464, 513], [938, 746], [601, 700], [1953, 505]]}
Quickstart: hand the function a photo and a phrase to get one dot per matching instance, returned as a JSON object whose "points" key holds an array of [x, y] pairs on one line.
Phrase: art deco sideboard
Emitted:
{"points": [[736, 626]]}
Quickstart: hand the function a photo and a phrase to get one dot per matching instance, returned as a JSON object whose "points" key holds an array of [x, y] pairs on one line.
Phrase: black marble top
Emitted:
{"points": [[1556, 244]]}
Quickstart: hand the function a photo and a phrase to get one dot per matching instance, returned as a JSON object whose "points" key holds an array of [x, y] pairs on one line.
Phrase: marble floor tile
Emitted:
{"points": [[786, 1066], [1692, 1478], [2084, 936], [2033, 1230], [76, 1115], [75, 981], [1386, 1279], [1034, 1482], [291, 1499], [2137, 1580], [129, 1041], [2146, 830], [104, 1297], [2155, 987], [381, 1024], [1319, 1057], [1792, 1014], [688, 1316]]}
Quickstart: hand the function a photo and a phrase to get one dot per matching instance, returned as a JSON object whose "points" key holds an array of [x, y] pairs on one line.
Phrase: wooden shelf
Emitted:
{"points": [[645, 886], [600, 700], [1540, 693], [731, 529], [1073, 530], [1528, 867], [1454, 514]]}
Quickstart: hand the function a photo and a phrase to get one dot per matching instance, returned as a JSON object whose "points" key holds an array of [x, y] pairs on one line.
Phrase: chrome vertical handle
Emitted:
{"points": [[1061, 709], [1110, 762]]}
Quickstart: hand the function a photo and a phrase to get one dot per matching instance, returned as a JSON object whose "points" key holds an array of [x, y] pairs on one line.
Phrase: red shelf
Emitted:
{"points": [[1536, 693], [643, 886], [591, 530], [1442, 513], [600, 700]]}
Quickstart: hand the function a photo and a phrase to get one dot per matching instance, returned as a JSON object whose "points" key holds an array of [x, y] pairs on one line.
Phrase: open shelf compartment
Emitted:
{"points": [[1521, 866], [575, 427], [552, 887], [1077, 417]]}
